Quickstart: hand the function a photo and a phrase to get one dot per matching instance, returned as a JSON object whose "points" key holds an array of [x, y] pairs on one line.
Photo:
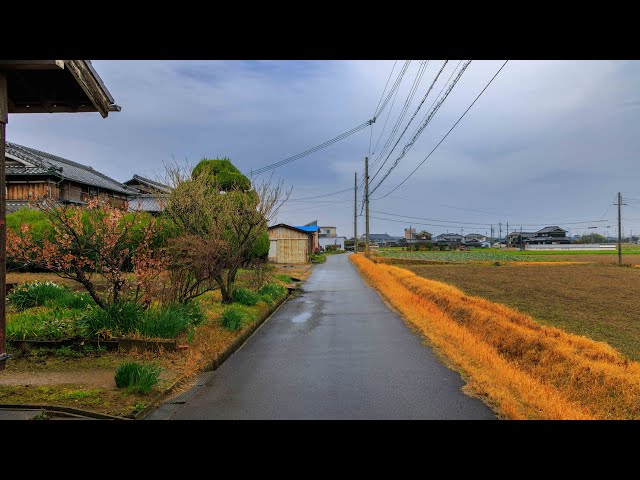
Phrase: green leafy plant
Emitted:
{"points": [[272, 292], [234, 316], [245, 296], [45, 324], [283, 278], [170, 321], [36, 294], [69, 352], [136, 377], [130, 318]]}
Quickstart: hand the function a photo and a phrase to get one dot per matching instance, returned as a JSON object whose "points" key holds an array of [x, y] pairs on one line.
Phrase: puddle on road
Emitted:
{"points": [[301, 317]]}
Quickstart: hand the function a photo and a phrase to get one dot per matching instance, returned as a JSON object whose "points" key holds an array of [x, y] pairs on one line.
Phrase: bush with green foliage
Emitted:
{"points": [[170, 321], [130, 318], [36, 294], [245, 296], [137, 378], [234, 316], [223, 172]]}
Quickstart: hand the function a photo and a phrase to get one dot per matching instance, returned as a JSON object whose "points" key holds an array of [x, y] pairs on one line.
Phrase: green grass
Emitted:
{"points": [[36, 294], [626, 250], [234, 316], [45, 324], [283, 278], [137, 378], [318, 258], [245, 296], [272, 292]]}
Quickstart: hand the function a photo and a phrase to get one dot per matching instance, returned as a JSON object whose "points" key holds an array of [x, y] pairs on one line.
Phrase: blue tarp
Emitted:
{"points": [[306, 228]]}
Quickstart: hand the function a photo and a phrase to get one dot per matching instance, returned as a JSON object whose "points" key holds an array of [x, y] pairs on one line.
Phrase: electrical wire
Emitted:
{"points": [[423, 126], [447, 134]]}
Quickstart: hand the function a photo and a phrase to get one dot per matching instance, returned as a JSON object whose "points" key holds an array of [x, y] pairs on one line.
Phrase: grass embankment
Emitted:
{"points": [[83, 377], [591, 300], [526, 370]]}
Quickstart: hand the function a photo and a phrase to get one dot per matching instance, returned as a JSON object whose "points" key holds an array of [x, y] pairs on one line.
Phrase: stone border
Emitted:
{"points": [[213, 364], [124, 344], [61, 411]]}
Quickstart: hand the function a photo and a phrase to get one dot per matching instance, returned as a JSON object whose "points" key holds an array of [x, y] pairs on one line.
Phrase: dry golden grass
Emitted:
{"points": [[528, 371], [591, 300]]}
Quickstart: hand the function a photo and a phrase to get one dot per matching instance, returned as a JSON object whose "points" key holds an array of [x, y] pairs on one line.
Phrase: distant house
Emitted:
{"points": [[449, 238], [552, 235], [475, 238], [34, 175], [423, 235], [289, 244], [150, 196], [327, 232], [518, 238], [380, 238], [335, 240], [409, 232]]}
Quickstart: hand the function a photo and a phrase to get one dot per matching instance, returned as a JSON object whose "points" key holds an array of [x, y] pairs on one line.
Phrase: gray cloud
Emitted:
{"points": [[548, 141]]}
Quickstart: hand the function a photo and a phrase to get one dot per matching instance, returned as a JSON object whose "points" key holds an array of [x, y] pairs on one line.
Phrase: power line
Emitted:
{"points": [[381, 95], [318, 196], [447, 134], [311, 150], [394, 87], [405, 108], [432, 219], [423, 126], [411, 119]]}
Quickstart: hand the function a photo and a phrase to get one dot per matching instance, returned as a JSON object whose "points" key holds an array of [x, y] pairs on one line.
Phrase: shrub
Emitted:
{"points": [[114, 320], [130, 318], [137, 378], [234, 316], [170, 321], [272, 292], [245, 296], [35, 294], [318, 258]]}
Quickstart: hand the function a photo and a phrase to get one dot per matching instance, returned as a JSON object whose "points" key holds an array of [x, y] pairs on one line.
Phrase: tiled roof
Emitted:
{"points": [[151, 183], [23, 170], [66, 168], [550, 229]]}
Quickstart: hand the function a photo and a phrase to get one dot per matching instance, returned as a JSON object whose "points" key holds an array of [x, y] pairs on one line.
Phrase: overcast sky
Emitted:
{"points": [[549, 142]]}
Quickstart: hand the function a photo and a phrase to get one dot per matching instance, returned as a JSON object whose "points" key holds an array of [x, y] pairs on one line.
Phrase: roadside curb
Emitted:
{"points": [[61, 411], [213, 364]]}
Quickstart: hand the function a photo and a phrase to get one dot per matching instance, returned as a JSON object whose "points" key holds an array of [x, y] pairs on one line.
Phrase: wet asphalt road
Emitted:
{"points": [[336, 352]]}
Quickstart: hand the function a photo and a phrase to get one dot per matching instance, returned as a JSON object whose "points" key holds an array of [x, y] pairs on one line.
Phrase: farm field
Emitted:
{"points": [[629, 256], [597, 301]]}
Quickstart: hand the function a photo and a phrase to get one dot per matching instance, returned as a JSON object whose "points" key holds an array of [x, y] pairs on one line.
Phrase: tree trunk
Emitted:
{"points": [[91, 289], [227, 296]]}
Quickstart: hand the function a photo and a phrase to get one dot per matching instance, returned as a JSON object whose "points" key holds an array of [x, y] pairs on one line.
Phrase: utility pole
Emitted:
{"points": [[4, 118], [619, 228], [491, 241], [507, 237], [410, 238], [355, 213], [500, 235], [366, 195]]}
